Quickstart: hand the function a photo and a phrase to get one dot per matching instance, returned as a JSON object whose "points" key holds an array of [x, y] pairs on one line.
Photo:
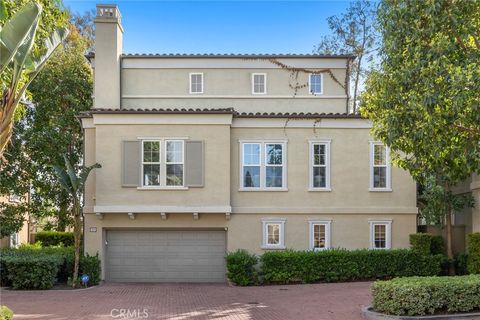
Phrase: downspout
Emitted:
{"points": [[83, 191], [347, 84]]}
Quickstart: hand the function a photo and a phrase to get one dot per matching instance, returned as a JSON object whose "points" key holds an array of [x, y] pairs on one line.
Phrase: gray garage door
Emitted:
{"points": [[165, 256]]}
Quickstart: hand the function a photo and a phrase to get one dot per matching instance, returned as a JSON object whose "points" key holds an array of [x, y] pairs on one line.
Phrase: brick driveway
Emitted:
{"points": [[192, 301]]}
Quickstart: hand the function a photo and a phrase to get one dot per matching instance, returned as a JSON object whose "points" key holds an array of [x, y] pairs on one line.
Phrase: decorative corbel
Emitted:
{"points": [[163, 215], [195, 216], [99, 215], [131, 215], [227, 215]]}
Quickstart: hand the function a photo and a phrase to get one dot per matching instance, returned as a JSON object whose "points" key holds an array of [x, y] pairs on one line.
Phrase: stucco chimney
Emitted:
{"points": [[108, 49]]}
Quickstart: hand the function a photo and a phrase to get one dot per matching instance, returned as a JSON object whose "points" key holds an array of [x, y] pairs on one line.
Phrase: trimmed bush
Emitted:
{"points": [[91, 266], [64, 260], [5, 313], [418, 296], [473, 245], [343, 265], [426, 243], [55, 238], [32, 271], [241, 267], [460, 263]]}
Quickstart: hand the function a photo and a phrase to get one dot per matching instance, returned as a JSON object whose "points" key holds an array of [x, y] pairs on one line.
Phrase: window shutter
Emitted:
{"points": [[131, 164], [194, 166]]}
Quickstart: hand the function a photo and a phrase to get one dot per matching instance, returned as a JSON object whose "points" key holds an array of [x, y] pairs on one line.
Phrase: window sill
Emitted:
{"points": [[274, 248], [180, 188], [263, 189], [320, 189], [380, 190]]}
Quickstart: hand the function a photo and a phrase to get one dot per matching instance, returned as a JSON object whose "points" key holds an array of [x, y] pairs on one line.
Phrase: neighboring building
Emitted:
{"points": [[203, 154], [24, 235]]}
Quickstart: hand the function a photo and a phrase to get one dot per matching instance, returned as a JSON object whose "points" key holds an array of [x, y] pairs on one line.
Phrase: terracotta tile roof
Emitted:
{"points": [[299, 115]]}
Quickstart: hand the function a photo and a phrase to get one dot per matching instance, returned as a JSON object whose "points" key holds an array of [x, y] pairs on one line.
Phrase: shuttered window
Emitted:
{"points": [[163, 163]]}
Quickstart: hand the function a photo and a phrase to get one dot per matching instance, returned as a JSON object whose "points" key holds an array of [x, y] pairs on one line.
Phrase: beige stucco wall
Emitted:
{"points": [[167, 88], [350, 176], [108, 150], [23, 233], [244, 231]]}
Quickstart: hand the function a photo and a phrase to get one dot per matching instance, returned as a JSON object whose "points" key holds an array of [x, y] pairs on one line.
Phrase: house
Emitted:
{"points": [[25, 234], [203, 154]]}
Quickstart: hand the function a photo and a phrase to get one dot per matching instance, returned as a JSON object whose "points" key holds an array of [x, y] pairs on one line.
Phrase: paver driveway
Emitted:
{"points": [[192, 301]]}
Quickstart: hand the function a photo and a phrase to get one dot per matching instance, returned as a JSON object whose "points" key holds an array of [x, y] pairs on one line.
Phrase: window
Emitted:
{"points": [[263, 165], [151, 163], [14, 240], [273, 234], [319, 166], [380, 234], [380, 170], [316, 83], [259, 83], [168, 172], [196, 82], [319, 235], [174, 162]]}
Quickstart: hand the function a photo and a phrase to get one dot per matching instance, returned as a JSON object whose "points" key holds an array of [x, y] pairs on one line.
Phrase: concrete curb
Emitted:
{"points": [[369, 314]]}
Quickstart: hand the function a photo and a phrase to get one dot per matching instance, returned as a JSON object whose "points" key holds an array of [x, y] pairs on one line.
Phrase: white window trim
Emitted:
{"points": [[327, 224], [265, 223], [263, 166], [327, 144], [264, 83], [310, 84], [159, 163], [388, 233], [182, 163], [14, 240], [388, 187], [190, 82], [163, 164]]}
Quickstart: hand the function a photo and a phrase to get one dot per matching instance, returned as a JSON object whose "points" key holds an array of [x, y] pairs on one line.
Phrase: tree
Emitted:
{"points": [[73, 181], [19, 63], [47, 130], [353, 32], [423, 100]]}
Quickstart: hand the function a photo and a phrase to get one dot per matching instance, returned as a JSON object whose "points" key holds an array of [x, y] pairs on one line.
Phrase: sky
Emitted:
{"points": [[220, 26]]}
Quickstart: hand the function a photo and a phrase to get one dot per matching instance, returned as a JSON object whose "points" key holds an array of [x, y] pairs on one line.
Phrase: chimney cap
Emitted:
{"points": [[108, 11]]}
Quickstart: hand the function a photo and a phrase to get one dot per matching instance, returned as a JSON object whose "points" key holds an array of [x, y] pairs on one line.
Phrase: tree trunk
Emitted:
{"points": [[448, 222], [77, 233]]}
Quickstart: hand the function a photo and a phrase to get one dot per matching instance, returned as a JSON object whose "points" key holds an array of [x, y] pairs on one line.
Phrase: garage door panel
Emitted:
{"points": [[168, 256]]}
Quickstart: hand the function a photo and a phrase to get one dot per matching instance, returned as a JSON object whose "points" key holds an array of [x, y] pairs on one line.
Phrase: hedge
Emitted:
{"points": [[473, 245], [5, 313], [426, 243], [55, 238], [52, 265], [241, 267], [417, 296], [343, 265]]}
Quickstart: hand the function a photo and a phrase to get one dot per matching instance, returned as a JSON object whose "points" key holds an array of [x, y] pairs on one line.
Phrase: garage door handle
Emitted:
{"points": [[106, 242]]}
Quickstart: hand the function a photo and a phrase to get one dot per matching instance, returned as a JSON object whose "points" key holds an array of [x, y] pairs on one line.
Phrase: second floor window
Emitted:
{"points": [[320, 165], [263, 165], [316, 83], [380, 167], [259, 83], [166, 171], [196, 82]]}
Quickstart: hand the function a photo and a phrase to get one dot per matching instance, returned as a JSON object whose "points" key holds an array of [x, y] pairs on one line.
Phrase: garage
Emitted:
{"points": [[165, 256]]}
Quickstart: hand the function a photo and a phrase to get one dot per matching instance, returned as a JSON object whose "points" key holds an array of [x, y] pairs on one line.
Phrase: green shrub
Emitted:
{"points": [[241, 267], [418, 296], [32, 271], [460, 264], [426, 243], [473, 245], [5, 313], [63, 255], [91, 266], [55, 238], [343, 265]]}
